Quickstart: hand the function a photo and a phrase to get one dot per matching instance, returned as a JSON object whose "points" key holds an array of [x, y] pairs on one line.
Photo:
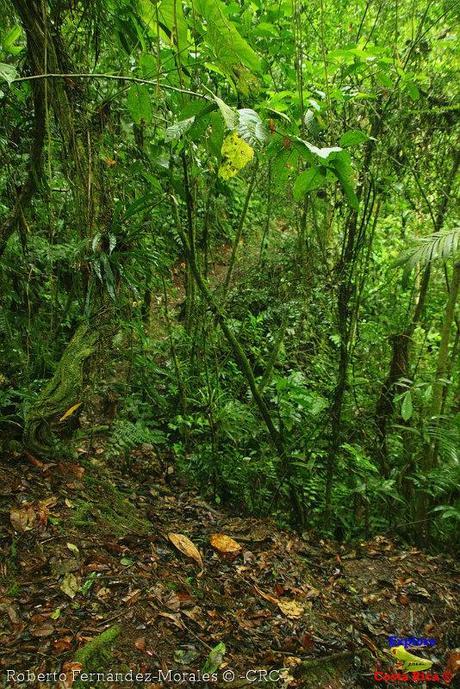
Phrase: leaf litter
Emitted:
{"points": [[195, 587]]}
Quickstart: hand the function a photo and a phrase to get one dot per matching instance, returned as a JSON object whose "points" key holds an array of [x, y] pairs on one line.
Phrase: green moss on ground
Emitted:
{"points": [[110, 511], [95, 656]]}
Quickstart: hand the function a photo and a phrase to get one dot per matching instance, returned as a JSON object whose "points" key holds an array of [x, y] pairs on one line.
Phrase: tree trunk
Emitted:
{"points": [[439, 384], [430, 454], [18, 218], [62, 392], [385, 403], [398, 369], [46, 55]]}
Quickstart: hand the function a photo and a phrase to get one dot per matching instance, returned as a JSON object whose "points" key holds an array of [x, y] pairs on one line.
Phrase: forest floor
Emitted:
{"points": [[86, 548]]}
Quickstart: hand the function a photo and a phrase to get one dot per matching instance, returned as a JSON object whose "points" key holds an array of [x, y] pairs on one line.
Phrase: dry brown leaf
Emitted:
{"points": [[172, 601], [174, 618], [12, 613], [62, 645], [267, 596], [33, 460], [43, 509], [186, 547], [313, 593], [132, 597], [42, 630], [453, 662], [39, 617], [185, 598], [103, 593], [140, 643], [279, 590], [23, 518], [288, 607], [71, 670], [70, 585], [307, 641], [195, 614], [69, 469], [224, 544], [403, 599]]}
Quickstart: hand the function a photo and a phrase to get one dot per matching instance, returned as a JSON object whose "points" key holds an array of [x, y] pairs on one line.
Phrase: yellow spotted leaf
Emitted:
{"points": [[224, 544], [411, 663], [186, 547], [236, 154], [70, 411]]}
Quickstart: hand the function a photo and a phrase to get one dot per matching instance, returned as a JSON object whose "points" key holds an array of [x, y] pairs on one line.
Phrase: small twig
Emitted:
{"points": [[153, 605], [115, 617]]}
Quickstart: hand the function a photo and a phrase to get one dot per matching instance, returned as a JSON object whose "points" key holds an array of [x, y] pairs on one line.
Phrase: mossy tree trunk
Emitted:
{"points": [[429, 459], [61, 393], [65, 100]]}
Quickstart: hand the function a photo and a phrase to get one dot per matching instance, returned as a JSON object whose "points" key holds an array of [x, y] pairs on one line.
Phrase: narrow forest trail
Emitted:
{"points": [[87, 549]]}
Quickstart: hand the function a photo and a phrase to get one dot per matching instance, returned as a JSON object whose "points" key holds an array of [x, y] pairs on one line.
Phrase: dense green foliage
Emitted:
{"points": [[231, 231]]}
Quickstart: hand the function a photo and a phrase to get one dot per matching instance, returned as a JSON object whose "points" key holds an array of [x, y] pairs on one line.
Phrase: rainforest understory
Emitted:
{"points": [[229, 342]]}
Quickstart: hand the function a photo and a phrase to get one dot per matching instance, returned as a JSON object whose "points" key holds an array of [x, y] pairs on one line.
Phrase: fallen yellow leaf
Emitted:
{"points": [[224, 544], [70, 411], [186, 547], [290, 608]]}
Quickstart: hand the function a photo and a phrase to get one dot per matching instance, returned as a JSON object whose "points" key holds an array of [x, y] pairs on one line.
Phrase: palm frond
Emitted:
{"points": [[447, 434], [439, 245]]}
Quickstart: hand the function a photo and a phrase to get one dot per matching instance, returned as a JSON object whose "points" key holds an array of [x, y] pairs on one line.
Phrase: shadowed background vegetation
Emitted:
{"points": [[230, 231]]}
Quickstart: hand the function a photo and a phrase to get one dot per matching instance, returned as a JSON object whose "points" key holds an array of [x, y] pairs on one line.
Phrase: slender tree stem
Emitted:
{"points": [[111, 77], [239, 229]]}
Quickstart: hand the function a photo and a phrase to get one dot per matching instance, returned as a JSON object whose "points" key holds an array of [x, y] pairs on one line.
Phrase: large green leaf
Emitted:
{"points": [[229, 114], [246, 122], [438, 245], [229, 47], [7, 72], [354, 137], [341, 167], [139, 104], [171, 21], [406, 407], [250, 127], [307, 181], [176, 130], [9, 39], [216, 137]]}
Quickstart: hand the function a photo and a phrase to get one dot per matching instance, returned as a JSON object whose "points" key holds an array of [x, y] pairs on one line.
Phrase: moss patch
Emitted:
{"points": [[61, 392], [96, 655], [108, 509]]}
